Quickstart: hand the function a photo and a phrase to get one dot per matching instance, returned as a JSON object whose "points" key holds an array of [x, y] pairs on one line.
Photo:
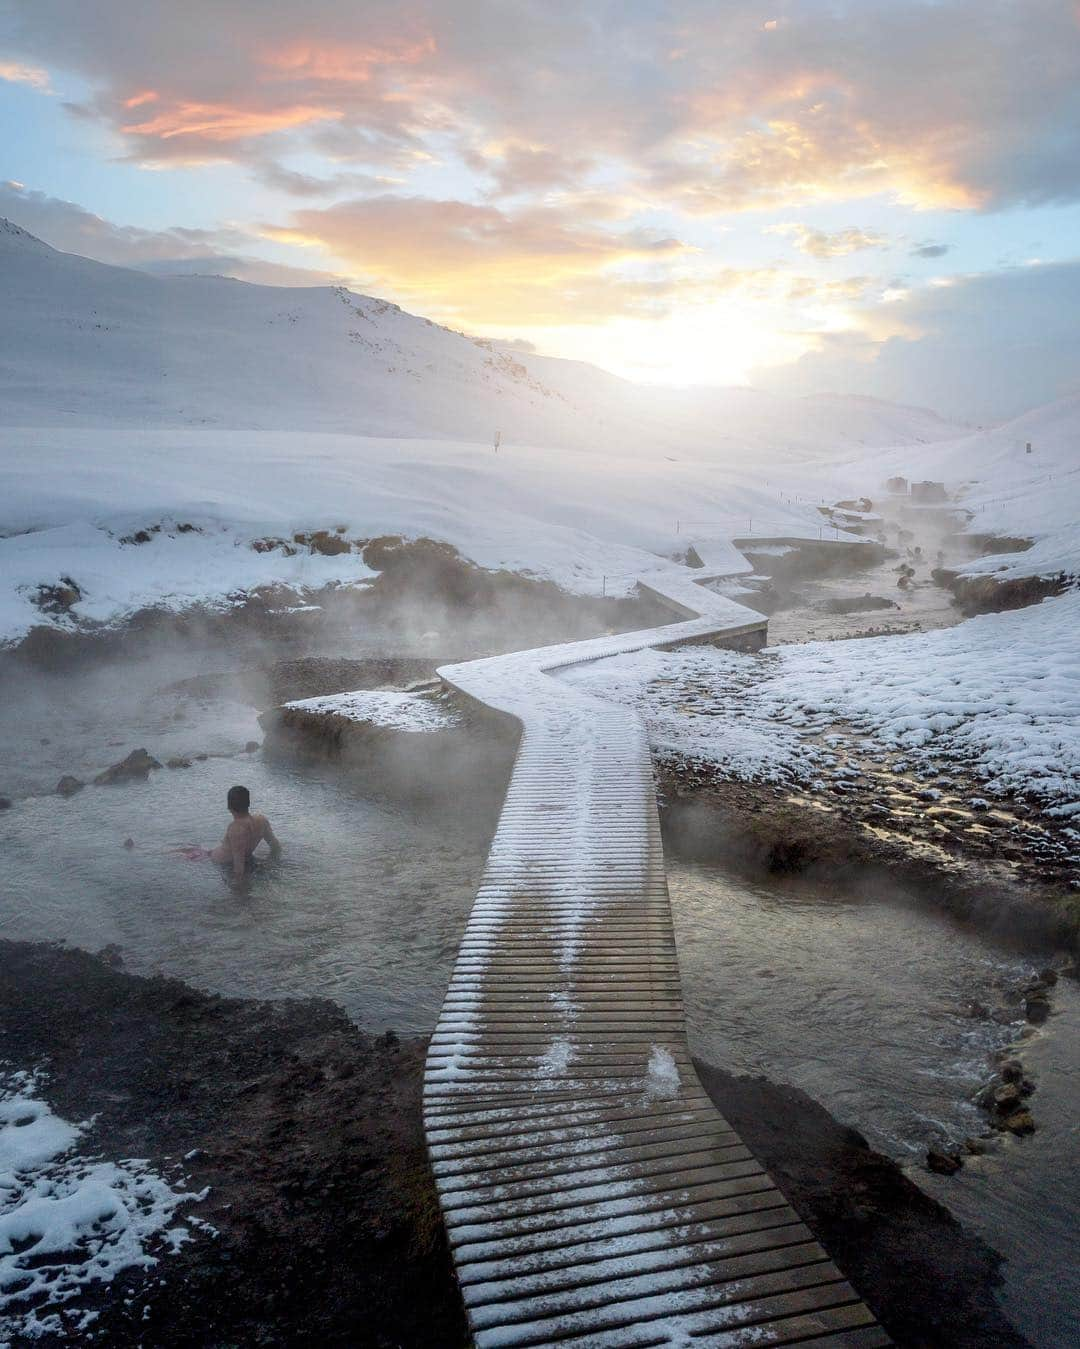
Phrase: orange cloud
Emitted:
{"points": [[14, 72], [225, 122], [345, 62], [474, 262], [137, 100]]}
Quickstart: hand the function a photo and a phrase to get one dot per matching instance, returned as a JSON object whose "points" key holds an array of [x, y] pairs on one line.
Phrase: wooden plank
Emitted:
{"points": [[593, 1195]]}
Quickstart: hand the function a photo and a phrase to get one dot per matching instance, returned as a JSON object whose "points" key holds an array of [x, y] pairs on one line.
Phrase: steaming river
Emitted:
{"points": [[860, 1001]]}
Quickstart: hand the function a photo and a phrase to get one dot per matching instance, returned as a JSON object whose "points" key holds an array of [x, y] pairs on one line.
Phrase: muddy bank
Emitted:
{"points": [[308, 1135], [929, 1282], [424, 597], [766, 829]]}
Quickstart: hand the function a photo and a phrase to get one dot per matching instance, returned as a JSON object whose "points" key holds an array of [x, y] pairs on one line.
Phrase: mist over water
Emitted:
{"points": [[366, 905]]}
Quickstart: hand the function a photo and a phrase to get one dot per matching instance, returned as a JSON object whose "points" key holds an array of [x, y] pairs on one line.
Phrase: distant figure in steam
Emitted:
{"points": [[243, 835]]}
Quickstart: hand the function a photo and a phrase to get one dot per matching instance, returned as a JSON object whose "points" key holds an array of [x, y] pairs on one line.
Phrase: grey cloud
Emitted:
{"points": [[73, 229], [704, 106], [931, 250], [307, 185], [991, 347]]}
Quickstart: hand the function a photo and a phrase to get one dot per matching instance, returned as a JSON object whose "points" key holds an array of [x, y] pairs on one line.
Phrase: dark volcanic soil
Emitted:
{"points": [[309, 1138], [928, 1281]]}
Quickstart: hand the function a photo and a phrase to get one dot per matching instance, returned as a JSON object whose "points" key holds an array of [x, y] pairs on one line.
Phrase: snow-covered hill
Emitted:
{"points": [[129, 401], [85, 344]]}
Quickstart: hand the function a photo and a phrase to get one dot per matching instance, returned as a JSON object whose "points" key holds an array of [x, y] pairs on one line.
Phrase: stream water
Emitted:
{"points": [[860, 1000], [864, 1001], [366, 904]]}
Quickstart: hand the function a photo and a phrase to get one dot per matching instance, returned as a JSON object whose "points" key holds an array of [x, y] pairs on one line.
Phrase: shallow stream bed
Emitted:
{"points": [[865, 1002]]}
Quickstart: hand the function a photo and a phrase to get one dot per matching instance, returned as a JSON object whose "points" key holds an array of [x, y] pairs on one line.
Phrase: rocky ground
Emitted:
{"points": [[1002, 866], [307, 1133]]}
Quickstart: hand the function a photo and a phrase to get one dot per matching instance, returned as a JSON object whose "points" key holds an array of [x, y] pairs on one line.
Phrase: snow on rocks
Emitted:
{"points": [[1000, 692], [591, 523], [66, 1220], [383, 707]]}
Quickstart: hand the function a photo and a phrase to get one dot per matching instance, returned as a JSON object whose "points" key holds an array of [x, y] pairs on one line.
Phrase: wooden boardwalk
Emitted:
{"points": [[593, 1195]]}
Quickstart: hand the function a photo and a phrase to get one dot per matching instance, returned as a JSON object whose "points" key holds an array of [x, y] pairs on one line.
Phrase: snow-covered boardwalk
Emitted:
{"points": [[592, 1193]]}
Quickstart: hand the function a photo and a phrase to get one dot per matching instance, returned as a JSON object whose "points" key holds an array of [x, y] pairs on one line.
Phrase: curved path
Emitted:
{"points": [[593, 1195]]}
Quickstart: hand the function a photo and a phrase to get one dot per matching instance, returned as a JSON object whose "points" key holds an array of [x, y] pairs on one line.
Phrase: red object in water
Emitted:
{"points": [[192, 852]]}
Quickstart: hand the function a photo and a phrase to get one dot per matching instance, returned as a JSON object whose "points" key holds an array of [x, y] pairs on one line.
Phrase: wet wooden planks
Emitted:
{"points": [[592, 1193]]}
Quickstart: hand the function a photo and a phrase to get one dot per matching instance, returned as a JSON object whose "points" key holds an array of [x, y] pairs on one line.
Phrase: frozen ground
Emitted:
{"points": [[1000, 692]]}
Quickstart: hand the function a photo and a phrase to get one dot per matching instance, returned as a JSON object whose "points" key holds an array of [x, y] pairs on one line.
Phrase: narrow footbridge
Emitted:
{"points": [[593, 1195]]}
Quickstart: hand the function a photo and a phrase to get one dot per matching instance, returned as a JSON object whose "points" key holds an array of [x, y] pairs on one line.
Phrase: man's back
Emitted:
{"points": [[248, 831]]}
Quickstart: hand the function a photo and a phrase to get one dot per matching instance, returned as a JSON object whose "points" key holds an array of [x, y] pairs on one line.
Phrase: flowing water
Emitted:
{"points": [[865, 1002]]}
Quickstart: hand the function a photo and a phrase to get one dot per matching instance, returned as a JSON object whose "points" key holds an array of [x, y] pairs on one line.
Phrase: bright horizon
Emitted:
{"points": [[859, 198]]}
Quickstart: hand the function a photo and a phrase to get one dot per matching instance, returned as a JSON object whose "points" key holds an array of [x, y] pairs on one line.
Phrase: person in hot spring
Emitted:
{"points": [[243, 835]]}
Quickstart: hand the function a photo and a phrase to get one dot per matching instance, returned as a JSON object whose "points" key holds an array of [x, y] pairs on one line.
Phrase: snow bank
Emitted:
{"points": [[384, 707], [1001, 691], [68, 1221], [591, 523]]}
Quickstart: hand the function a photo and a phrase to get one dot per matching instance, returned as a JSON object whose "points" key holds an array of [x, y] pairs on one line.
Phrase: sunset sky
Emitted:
{"points": [[877, 196]]}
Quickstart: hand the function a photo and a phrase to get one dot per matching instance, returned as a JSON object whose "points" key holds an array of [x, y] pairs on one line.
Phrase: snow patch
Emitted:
{"points": [[555, 1061], [68, 1221], [661, 1075], [384, 707]]}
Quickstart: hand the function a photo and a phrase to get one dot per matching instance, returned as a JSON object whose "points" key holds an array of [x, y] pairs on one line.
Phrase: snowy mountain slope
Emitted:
{"points": [[294, 410], [1008, 491], [86, 344]]}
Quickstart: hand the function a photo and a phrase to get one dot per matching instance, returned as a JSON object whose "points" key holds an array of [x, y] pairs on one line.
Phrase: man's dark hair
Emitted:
{"points": [[239, 799]]}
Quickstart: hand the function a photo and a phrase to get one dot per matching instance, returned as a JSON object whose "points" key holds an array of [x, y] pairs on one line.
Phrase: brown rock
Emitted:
{"points": [[943, 1163], [1007, 1098], [322, 541], [135, 768], [1012, 1070], [1020, 1122], [69, 785]]}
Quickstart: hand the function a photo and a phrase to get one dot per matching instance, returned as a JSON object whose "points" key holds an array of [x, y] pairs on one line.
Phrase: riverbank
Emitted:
{"points": [[323, 1222]]}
